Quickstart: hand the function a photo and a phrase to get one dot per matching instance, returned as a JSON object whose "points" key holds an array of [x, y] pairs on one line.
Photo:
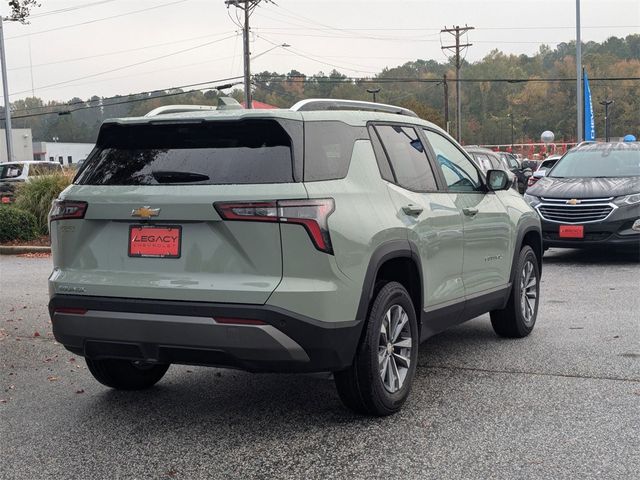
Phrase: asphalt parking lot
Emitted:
{"points": [[562, 403]]}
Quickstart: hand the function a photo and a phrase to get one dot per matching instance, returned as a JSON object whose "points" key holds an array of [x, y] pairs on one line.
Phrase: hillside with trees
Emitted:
{"points": [[538, 91]]}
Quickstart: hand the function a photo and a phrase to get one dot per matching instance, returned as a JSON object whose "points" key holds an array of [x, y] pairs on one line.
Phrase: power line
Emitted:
{"points": [[68, 9], [438, 80], [117, 52], [127, 66], [102, 104], [96, 20]]}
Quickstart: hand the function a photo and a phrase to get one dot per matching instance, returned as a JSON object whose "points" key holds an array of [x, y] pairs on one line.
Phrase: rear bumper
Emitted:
{"points": [[186, 332]]}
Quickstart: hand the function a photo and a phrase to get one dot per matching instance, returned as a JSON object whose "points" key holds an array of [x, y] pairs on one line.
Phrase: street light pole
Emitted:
{"points": [[5, 88], [606, 104], [373, 91], [510, 115], [283, 45]]}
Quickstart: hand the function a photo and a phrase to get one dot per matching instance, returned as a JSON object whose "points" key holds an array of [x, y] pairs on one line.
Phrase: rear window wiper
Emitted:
{"points": [[170, 176]]}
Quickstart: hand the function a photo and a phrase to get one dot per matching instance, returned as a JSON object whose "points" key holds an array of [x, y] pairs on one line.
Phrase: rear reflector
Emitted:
{"points": [[70, 310], [238, 321], [312, 214]]}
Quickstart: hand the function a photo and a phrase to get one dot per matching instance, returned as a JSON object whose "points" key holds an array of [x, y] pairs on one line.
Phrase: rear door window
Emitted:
{"points": [[407, 157], [208, 153]]}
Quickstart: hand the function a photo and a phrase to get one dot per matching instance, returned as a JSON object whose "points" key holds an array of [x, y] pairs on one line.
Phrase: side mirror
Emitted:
{"points": [[539, 173], [497, 180]]}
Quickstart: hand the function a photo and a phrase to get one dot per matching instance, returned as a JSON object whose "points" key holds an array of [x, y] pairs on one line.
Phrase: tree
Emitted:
{"points": [[20, 10]]}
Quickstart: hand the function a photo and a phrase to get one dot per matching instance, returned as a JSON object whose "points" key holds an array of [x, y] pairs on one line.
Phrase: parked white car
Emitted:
{"points": [[12, 173]]}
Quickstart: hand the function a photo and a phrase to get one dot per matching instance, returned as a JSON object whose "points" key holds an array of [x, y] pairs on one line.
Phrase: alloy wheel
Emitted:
{"points": [[394, 348], [528, 292]]}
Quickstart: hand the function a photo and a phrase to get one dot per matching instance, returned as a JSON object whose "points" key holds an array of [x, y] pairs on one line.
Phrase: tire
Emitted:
{"points": [[125, 374], [361, 386], [518, 317]]}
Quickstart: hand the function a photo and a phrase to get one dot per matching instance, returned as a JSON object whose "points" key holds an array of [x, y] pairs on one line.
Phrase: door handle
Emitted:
{"points": [[470, 212], [413, 210]]}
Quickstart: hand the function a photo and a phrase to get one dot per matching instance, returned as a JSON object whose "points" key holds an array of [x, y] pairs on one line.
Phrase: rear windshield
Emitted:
{"points": [[11, 170], [211, 153], [599, 161]]}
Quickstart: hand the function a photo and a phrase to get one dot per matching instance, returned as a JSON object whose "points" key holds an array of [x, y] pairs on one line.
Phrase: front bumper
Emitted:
{"points": [[187, 333], [609, 232]]}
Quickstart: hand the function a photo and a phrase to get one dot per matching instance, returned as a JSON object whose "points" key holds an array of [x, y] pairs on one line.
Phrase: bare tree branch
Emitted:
{"points": [[20, 10]]}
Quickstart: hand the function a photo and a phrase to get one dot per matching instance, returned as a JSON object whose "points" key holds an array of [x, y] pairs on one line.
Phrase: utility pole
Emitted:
{"points": [[446, 102], [606, 104], [457, 32], [247, 6], [7, 104]]}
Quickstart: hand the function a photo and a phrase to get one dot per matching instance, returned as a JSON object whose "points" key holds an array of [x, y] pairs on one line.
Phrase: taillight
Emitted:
{"points": [[531, 181], [65, 209], [312, 214]]}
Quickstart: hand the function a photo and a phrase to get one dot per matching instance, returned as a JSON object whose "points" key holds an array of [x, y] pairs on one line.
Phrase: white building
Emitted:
{"points": [[22, 144], [61, 152]]}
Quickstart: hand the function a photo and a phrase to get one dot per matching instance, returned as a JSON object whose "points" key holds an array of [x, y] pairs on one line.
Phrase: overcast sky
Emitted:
{"points": [[82, 52]]}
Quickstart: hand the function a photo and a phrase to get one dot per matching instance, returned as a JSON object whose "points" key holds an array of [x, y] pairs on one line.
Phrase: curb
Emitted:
{"points": [[8, 250]]}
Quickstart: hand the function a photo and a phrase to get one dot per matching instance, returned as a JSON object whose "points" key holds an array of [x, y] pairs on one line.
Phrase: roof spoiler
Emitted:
{"points": [[224, 103]]}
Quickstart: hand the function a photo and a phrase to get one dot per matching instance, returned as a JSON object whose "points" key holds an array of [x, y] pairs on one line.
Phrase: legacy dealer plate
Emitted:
{"points": [[154, 241]]}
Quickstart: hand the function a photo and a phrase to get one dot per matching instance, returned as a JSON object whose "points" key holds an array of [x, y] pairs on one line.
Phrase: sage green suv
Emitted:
{"points": [[335, 236]]}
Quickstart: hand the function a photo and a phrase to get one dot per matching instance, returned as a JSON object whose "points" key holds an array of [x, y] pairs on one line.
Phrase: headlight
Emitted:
{"points": [[531, 200], [632, 199]]}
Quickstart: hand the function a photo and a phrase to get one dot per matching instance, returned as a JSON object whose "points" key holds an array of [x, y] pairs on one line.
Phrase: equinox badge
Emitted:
{"points": [[145, 212], [573, 201]]}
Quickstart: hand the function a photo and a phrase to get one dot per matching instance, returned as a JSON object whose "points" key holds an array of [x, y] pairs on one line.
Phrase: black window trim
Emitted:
{"points": [[481, 175], [427, 152]]}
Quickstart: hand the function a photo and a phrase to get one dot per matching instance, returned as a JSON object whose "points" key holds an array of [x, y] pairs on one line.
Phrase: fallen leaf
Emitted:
{"points": [[2, 400], [36, 334], [72, 359], [52, 378], [80, 391]]}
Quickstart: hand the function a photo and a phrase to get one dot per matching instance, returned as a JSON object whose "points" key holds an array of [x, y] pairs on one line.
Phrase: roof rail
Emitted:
{"points": [[315, 104]]}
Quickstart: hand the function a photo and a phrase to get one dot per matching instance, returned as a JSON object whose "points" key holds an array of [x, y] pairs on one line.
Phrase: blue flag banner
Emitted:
{"points": [[589, 120]]}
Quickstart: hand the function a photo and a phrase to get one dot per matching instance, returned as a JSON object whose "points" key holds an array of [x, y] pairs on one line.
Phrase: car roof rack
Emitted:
{"points": [[319, 104]]}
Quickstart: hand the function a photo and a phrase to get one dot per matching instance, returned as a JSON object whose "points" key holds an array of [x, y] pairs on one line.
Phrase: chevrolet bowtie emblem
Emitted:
{"points": [[573, 201], [145, 212]]}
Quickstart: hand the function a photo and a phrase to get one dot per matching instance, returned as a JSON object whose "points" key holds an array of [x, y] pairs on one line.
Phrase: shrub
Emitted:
{"points": [[16, 224], [36, 196]]}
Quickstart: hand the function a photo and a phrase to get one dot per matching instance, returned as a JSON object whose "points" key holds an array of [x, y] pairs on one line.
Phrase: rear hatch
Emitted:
{"points": [[152, 227]]}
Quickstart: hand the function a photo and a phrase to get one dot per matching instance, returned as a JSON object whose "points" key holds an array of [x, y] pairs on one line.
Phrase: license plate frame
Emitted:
{"points": [[571, 231], [155, 249]]}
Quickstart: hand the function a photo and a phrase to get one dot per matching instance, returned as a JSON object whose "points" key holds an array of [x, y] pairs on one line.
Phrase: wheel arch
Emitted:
{"points": [[528, 234], [398, 261]]}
